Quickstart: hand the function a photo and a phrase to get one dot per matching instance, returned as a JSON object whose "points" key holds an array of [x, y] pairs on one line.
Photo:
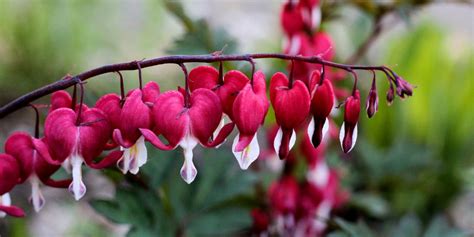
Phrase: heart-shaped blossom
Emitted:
{"points": [[78, 140], [9, 177], [290, 101], [126, 118], [348, 133], [187, 125], [291, 18], [60, 99], [32, 165], [250, 108], [322, 103]]}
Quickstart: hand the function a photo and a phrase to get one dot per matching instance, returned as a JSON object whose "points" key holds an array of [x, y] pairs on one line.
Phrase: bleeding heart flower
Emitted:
{"points": [[226, 89], [348, 133], [372, 103], [32, 165], [322, 102], [126, 118], [187, 125], [291, 104], [9, 177], [78, 140], [284, 195], [250, 108], [292, 18]]}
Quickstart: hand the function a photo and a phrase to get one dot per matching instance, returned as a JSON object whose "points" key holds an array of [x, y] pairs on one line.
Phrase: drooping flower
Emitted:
{"points": [[33, 167], [403, 87], [9, 177], [291, 18], [187, 123], [284, 195], [291, 102], [249, 110], [126, 117], [372, 102], [348, 133], [322, 102], [78, 140]]}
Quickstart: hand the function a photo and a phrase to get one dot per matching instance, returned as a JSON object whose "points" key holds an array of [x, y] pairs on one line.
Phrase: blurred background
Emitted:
{"points": [[410, 174]]}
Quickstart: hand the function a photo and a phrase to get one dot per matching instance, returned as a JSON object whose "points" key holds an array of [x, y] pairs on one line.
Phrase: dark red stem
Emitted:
{"points": [[36, 121], [26, 99], [186, 85]]}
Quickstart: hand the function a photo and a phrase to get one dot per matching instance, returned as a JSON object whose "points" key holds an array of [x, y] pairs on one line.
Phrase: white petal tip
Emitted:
{"points": [[246, 157], [78, 190]]}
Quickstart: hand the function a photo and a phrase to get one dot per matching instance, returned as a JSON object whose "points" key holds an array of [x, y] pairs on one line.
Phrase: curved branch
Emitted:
{"points": [[69, 81]]}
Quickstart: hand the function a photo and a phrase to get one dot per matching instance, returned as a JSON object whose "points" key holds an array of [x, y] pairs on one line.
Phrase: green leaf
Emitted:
{"points": [[409, 226], [373, 204], [355, 230], [439, 227]]}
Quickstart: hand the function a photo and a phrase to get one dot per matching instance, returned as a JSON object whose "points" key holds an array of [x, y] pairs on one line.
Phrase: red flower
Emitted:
{"points": [[322, 102], [9, 177], [291, 104], [348, 133], [78, 140], [284, 195], [187, 125], [32, 165], [126, 118], [292, 18], [261, 220], [249, 110]]}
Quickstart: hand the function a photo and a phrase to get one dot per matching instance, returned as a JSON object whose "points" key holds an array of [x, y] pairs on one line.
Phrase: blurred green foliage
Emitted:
{"points": [[159, 203]]}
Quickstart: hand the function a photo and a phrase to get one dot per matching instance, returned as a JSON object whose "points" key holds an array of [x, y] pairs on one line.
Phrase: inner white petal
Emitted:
{"points": [[188, 171], [37, 198], [250, 153], [279, 136], [310, 130], [342, 132], [325, 128], [5, 200], [219, 128], [77, 187]]}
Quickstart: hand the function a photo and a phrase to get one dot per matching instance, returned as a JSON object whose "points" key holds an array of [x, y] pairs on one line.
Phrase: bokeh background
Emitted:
{"points": [[411, 173]]}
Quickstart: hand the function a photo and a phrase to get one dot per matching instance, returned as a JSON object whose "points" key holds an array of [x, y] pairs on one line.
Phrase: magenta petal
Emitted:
{"points": [[9, 173], [12, 211], [60, 99], [20, 146], [154, 140], [205, 114], [57, 183], [151, 91], [244, 141], [93, 134], [234, 82], [135, 114], [203, 77], [170, 117], [42, 149], [223, 134], [110, 105], [107, 161], [117, 135], [60, 133]]}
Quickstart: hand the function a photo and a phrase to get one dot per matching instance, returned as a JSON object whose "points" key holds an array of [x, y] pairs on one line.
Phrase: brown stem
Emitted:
{"points": [[26, 99]]}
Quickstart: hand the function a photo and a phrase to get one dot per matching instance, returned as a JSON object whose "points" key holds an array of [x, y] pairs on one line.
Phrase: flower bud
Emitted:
{"points": [[390, 95], [372, 103]]}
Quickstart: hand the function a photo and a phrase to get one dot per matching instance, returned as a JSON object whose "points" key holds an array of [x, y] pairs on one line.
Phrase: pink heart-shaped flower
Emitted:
{"points": [[291, 104]]}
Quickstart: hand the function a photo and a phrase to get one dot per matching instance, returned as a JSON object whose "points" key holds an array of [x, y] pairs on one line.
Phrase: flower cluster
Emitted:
{"points": [[205, 112]]}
